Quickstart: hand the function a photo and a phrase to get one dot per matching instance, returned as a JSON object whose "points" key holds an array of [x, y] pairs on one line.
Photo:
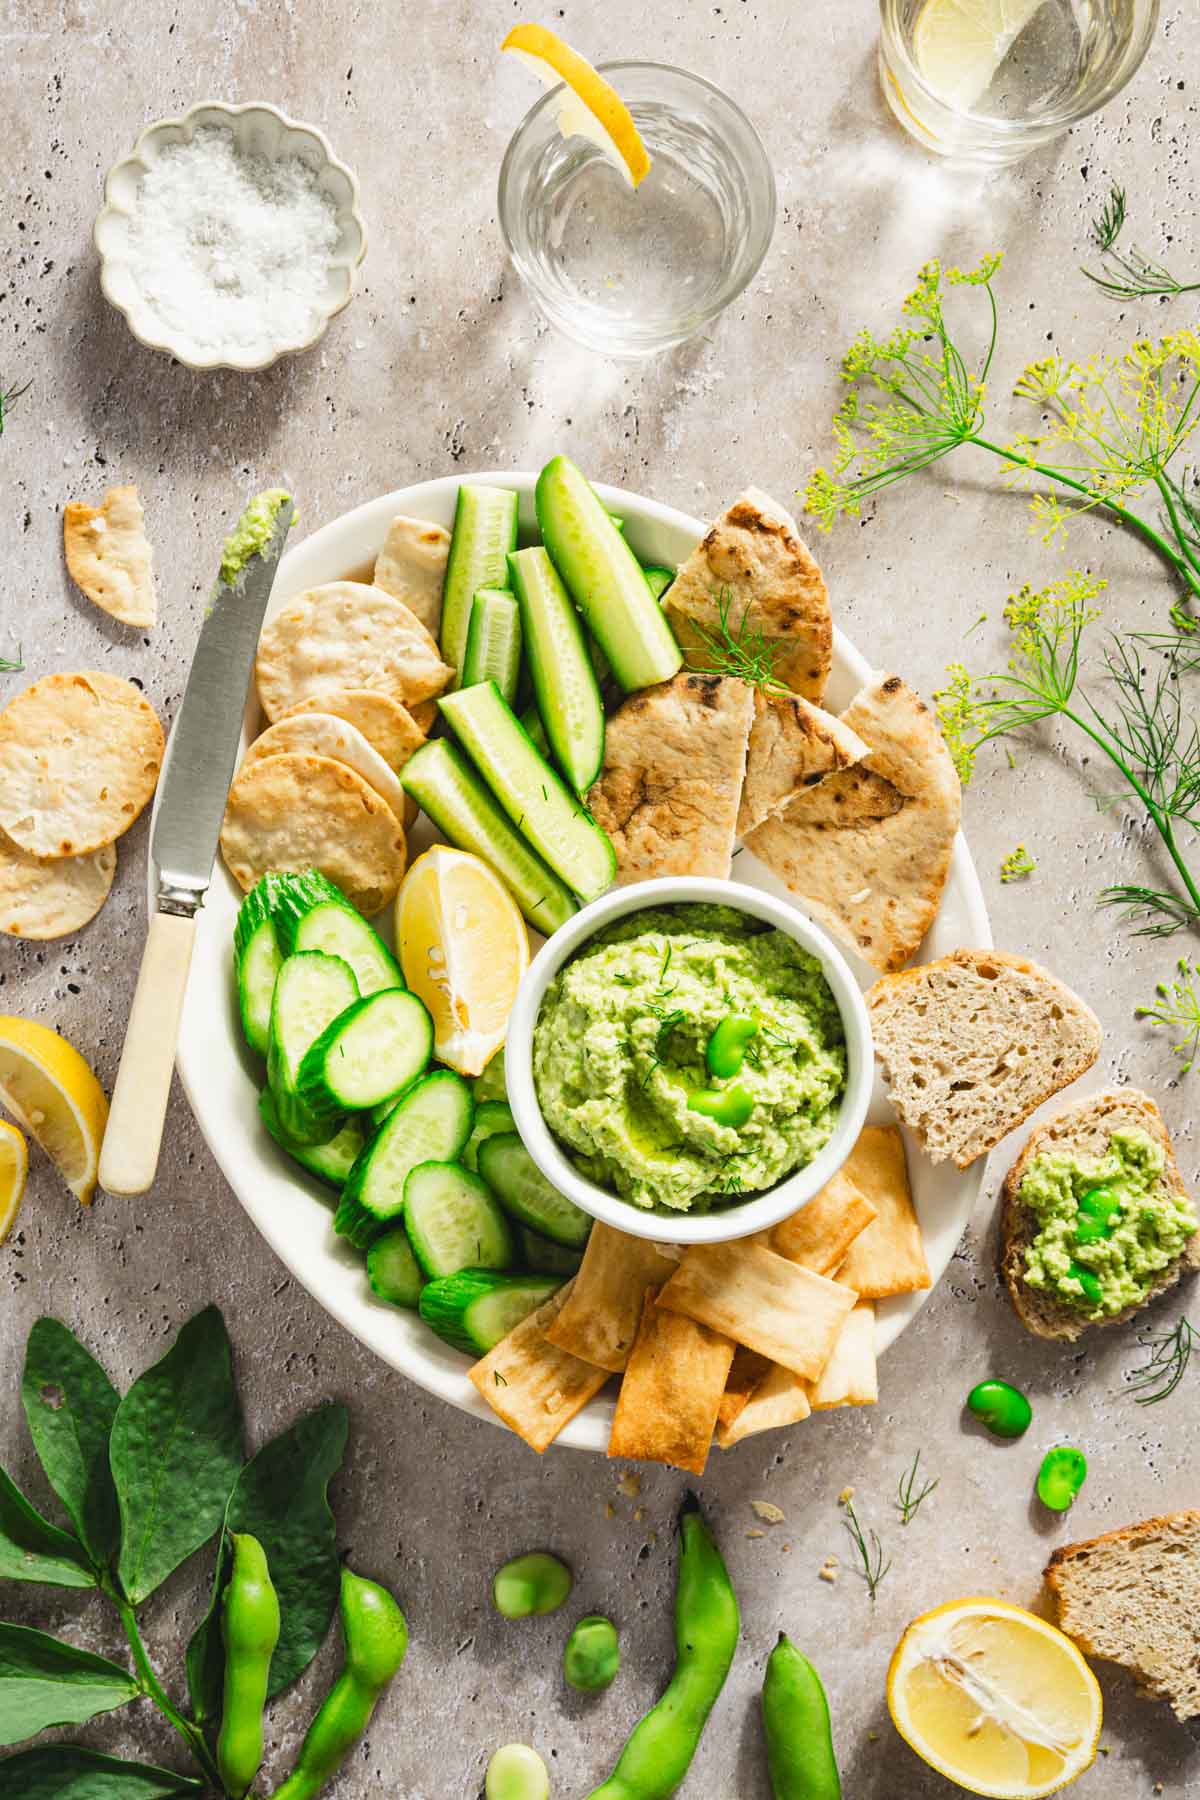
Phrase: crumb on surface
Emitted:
{"points": [[768, 1511], [630, 1484]]}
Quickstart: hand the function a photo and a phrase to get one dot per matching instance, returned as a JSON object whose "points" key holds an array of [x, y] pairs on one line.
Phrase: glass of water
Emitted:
{"points": [[991, 80], [629, 271]]}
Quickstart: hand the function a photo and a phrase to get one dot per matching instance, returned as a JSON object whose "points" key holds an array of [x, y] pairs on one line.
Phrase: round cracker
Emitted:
{"points": [[79, 759], [388, 727], [308, 812], [345, 635], [320, 734], [49, 898]]}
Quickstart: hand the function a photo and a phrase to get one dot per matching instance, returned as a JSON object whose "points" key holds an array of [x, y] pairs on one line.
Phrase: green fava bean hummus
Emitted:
{"points": [[252, 532], [1149, 1235], [619, 1047]]}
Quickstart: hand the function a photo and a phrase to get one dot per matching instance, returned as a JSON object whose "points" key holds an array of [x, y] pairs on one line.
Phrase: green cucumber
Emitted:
{"points": [[473, 1310], [568, 698], [315, 915], [256, 961], [453, 1222], [431, 1121], [493, 651], [331, 1162], [491, 1117], [367, 1055], [444, 786], [523, 1191], [658, 580], [485, 530], [311, 990], [604, 579], [492, 1084], [531, 719], [546, 1257], [534, 796], [392, 1270]]}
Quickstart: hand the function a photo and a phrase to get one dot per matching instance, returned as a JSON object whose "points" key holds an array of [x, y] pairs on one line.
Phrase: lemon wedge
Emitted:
{"points": [[463, 948], [588, 107], [14, 1160], [995, 1699], [50, 1090], [959, 44]]}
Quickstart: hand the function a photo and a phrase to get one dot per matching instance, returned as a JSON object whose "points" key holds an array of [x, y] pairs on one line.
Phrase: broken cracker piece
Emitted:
{"points": [[109, 556]]}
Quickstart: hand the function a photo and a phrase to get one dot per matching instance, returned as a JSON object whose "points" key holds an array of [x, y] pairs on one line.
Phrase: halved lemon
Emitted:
{"points": [[50, 1090], [463, 948], [995, 1699], [959, 44], [588, 107], [14, 1160]]}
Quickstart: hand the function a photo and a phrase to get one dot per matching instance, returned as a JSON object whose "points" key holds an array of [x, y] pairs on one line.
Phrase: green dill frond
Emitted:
{"points": [[1177, 1006], [1109, 222], [8, 396], [1170, 1353], [744, 652]]}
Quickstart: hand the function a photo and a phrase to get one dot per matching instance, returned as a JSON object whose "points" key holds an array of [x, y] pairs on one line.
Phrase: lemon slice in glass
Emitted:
{"points": [[959, 44], [463, 948], [14, 1160], [995, 1699], [588, 106], [49, 1089]]}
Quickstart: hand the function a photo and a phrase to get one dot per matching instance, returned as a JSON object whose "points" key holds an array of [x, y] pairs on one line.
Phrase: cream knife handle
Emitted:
{"points": [[129, 1157]]}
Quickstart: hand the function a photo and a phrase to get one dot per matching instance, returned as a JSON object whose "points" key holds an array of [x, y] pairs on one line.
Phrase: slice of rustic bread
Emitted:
{"points": [[1083, 1129], [1133, 1597], [974, 1043]]}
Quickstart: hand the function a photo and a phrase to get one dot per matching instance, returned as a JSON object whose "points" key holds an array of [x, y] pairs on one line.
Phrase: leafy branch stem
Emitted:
{"points": [[153, 1688]]}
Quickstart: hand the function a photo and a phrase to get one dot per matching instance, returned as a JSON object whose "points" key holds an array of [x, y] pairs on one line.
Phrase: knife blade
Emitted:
{"points": [[183, 844], [204, 742]]}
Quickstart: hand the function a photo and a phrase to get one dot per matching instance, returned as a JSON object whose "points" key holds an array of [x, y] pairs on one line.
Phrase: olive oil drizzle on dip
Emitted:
{"points": [[621, 1070]]}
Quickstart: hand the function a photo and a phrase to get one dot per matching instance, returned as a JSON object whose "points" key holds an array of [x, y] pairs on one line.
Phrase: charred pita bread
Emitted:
{"points": [[389, 728], [42, 899], [868, 849], [671, 1391], [109, 556], [674, 762], [793, 745], [345, 635], [534, 1387], [412, 567], [753, 575]]}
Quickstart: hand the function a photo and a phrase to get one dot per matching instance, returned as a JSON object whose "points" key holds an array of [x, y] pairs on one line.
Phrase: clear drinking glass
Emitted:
{"points": [[990, 80], [630, 271]]}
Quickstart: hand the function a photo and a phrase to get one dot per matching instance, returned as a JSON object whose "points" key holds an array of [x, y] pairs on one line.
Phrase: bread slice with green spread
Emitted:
{"points": [[1062, 1157], [974, 1043], [1133, 1597]]}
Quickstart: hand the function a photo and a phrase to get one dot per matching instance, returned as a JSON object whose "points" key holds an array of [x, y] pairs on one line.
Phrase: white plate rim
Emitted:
{"points": [[291, 1211]]}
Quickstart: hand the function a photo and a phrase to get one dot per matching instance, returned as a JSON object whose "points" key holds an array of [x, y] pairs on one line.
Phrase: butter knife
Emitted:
{"points": [[183, 845]]}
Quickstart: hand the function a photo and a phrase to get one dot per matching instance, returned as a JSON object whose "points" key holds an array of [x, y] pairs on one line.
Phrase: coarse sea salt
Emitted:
{"points": [[232, 249]]}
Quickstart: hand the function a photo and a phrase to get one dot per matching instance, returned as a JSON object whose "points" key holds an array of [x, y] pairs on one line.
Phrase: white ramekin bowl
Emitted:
{"points": [[264, 131], [760, 1211]]}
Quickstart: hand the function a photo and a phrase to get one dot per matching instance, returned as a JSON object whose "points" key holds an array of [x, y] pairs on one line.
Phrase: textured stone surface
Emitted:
{"points": [[441, 361]]}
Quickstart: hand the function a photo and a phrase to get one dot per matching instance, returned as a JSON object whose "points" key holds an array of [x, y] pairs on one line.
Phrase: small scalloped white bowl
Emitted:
{"points": [[773, 1204], [259, 129]]}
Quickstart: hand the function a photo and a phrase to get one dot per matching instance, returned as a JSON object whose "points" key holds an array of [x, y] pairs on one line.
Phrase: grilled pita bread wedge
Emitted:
{"points": [[412, 567], [753, 576], [793, 745], [868, 849], [674, 762], [109, 556]]}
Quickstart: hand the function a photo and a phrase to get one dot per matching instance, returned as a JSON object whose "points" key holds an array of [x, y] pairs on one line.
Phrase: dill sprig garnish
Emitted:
{"points": [[1110, 429], [1178, 1006], [908, 1495], [1128, 274], [1149, 733], [8, 396], [12, 665], [870, 1551], [744, 653], [1166, 1366]]}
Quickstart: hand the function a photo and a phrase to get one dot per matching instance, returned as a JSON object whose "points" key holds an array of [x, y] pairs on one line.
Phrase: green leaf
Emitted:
{"points": [[31, 1549], [46, 1682], [280, 1499], [69, 1772], [70, 1405], [176, 1450]]}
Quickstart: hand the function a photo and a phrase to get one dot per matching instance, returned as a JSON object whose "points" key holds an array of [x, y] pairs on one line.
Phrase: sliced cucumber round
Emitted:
{"points": [[491, 1117], [523, 1191], [311, 990], [367, 1055], [256, 960], [336, 928], [392, 1270], [475, 1309], [546, 1257], [431, 1121], [330, 1162], [453, 1221]]}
